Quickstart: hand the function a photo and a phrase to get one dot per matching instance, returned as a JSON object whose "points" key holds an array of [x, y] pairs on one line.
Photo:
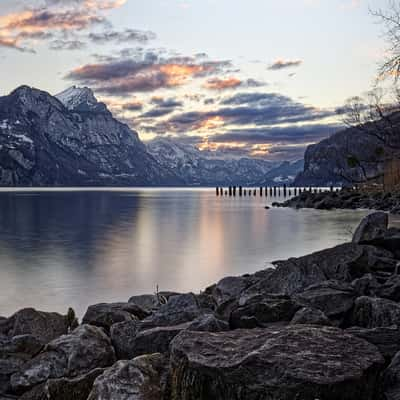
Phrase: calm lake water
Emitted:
{"points": [[64, 248]]}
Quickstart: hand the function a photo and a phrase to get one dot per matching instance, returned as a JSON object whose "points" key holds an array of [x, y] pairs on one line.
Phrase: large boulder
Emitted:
{"points": [[123, 336], [155, 340], [310, 316], [77, 388], [374, 312], [178, 310], [45, 326], [345, 262], [391, 379], [386, 339], [105, 315], [14, 352], [372, 227], [391, 288], [333, 298], [208, 323], [259, 310], [69, 356], [297, 362], [367, 285], [142, 378], [229, 288], [152, 302]]}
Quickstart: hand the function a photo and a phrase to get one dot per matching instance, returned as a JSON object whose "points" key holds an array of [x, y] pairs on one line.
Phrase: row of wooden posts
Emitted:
{"points": [[265, 191]]}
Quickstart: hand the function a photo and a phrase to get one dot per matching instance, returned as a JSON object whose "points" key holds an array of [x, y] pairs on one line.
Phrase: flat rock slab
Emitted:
{"points": [[299, 362]]}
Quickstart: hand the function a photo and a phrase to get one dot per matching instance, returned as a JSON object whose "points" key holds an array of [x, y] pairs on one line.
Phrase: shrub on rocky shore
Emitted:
{"points": [[323, 326]]}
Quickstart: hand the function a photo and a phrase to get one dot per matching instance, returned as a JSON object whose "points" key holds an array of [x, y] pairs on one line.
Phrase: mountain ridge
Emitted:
{"points": [[43, 143]]}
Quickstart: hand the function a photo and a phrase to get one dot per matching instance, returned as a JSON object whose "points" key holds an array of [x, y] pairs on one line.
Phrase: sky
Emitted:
{"points": [[260, 78]]}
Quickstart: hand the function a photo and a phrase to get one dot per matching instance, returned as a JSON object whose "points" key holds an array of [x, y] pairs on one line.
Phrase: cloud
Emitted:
{"points": [[67, 17], [157, 112], [284, 64], [125, 36], [145, 72], [256, 109], [166, 103], [222, 84], [133, 106], [67, 45]]}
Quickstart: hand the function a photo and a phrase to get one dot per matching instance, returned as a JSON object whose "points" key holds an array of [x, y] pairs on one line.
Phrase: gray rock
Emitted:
{"points": [[333, 298], [386, 339], [391, 379], [208, 323], [296, 362], [123, 336], [229, 288], [391, 288], [147, 302], [367, 285], [155, 340], [310, 316], [68, 356], [372, 227], [178, 310], [372, 312], [259, 310], [139, 379], [43, 325], [344, 263], [105, 315], [77, 388], [14, 352], [8, 366], [22, 346]]}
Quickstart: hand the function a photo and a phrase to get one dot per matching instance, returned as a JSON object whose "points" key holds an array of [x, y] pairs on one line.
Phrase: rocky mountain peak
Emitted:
{"points": [[80, 99]]}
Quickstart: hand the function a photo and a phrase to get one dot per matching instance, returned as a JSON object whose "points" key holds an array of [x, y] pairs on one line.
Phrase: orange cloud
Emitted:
{"points": [[260, 150], [177, 74], [215, 146], [210, 123], [222, 84]]}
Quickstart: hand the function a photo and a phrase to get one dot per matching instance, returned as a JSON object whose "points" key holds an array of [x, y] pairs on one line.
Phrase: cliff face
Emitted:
{"points": [[329, 162], [70, 140]]}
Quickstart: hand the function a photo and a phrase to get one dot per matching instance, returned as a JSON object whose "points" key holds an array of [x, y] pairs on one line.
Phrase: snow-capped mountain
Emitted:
{"points": [[204, 168], [82, 99], [70, 139]]}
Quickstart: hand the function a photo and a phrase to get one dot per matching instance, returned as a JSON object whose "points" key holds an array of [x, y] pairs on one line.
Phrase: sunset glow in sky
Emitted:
{"points": [[258, 77]]}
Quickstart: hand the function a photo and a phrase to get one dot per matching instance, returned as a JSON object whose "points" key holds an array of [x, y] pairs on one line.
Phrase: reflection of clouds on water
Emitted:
{"points": [[76, 248]]}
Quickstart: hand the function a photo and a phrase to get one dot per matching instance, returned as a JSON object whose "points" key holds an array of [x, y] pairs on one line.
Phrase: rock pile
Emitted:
{"points": [[346, 199], [323, 326]]}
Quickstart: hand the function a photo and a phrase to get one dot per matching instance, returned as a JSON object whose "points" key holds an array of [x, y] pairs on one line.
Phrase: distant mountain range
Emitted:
{"points": [[202, 168], [71, 139]]}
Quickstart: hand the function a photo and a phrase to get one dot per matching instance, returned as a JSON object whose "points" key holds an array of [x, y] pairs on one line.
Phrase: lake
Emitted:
{"points": [[61, 248]]}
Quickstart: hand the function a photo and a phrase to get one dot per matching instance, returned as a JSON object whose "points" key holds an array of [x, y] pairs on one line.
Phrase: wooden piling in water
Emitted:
{"points": [[230, 191], [284, 190], [261, 191], [240, 191]]}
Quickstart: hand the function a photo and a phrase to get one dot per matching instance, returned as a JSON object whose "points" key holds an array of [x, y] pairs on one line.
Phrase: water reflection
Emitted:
{"points": [[74, 248]]}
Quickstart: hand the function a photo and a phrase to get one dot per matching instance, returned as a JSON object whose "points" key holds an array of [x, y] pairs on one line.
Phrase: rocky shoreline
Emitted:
{"points": [[345, 199], [323, 326]]}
